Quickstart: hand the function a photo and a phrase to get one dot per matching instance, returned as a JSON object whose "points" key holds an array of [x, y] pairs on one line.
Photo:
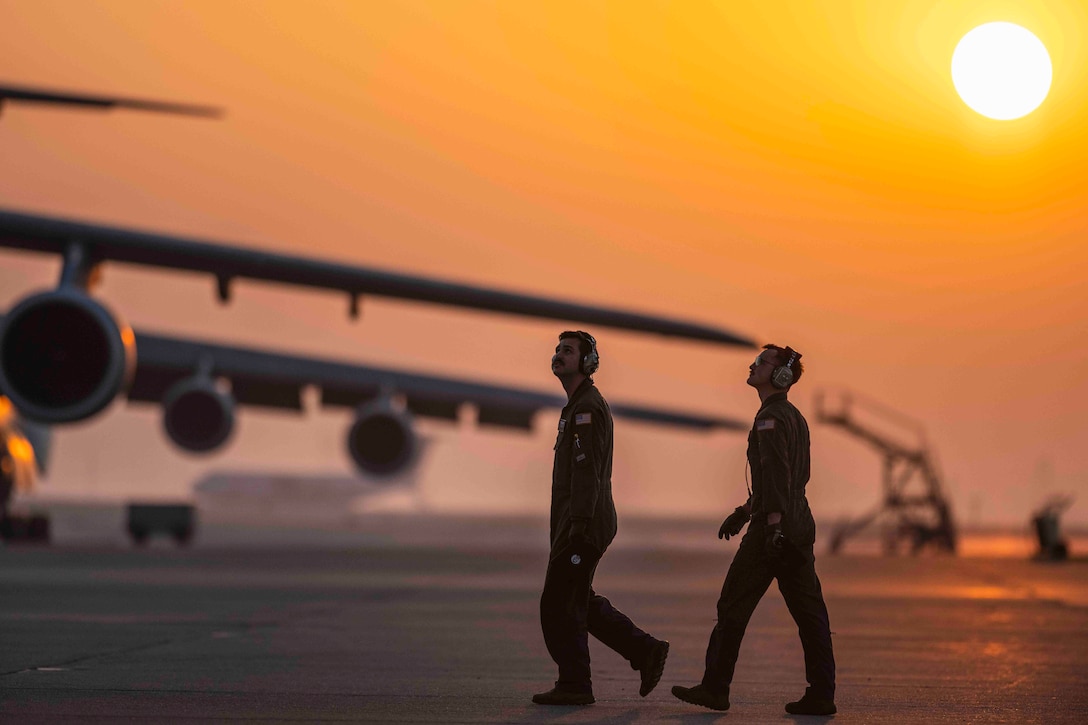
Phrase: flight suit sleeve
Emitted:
{"points": [[585, 452], [773, 438]]}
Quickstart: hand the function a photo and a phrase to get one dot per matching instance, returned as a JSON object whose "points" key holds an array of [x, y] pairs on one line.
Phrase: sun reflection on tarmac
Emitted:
{"points": [[998, 545], [988, 592]]}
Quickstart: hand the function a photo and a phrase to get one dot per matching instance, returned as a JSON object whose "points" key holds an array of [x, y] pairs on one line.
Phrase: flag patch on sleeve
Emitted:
{"points": [[582, 418], [765, 424]]}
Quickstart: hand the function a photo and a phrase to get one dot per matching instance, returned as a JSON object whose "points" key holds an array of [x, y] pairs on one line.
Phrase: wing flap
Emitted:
{"points": [[434, 408], [509, 416], [266, 393], [348, 396]]}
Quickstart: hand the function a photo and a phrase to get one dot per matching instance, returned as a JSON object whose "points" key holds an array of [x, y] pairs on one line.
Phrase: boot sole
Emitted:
{"points": [[814, 712], [565, 703], [690, 701]]}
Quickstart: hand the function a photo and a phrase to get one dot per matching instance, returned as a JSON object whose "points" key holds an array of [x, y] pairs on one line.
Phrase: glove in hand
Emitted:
{"points": [[734, 523], [774, 542]]}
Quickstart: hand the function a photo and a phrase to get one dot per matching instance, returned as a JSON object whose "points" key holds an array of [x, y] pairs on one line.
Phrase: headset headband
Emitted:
{"points": [[783, 375], [794, 357]]}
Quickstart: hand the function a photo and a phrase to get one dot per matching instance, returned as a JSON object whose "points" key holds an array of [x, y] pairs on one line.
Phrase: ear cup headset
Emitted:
{"points": [[592, 360], [782, 377]]}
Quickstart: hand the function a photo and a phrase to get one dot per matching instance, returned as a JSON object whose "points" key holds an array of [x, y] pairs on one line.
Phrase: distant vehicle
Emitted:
{"points": [[176, 520], [1046, 522]]}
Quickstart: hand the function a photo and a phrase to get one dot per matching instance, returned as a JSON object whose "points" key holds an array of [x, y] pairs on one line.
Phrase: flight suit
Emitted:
{"points": [[778, 453], [582, 490]]}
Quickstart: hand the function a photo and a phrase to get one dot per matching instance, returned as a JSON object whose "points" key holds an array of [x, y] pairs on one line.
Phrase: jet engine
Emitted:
{"points": [[197, 415], [381, 440], [63, 356]]}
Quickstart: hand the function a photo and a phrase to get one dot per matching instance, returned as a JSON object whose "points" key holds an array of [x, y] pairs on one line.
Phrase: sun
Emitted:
{"points": [[1001, 70]]}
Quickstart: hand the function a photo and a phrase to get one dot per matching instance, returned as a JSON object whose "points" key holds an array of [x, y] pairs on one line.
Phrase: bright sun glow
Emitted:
{"points": [[1001, 70]]}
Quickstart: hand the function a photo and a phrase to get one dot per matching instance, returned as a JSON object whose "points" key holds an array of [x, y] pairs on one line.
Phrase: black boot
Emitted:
{"points": [[811, 705], [700, 695], [653, 666]]}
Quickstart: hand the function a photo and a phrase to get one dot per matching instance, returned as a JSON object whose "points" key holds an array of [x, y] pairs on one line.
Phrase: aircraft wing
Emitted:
{"points": [[26, 94], [275, 380], [228, 262]]}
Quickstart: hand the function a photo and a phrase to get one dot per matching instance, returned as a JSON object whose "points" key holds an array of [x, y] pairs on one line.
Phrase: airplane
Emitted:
{"points": [[64, 356]]}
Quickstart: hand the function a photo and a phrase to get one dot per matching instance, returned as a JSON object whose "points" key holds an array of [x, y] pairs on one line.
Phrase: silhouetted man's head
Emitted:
{"points": [[774, 358]]}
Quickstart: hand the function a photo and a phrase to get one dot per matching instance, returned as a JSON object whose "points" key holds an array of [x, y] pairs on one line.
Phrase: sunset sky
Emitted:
{"points": [[800, 172]]}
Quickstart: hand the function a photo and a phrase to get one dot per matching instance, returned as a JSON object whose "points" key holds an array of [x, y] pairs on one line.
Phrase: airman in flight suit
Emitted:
{"points": [[583, 524], [778, 545]]}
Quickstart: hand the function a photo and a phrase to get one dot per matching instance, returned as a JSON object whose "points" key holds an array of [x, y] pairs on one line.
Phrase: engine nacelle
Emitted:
{"points": [[381, 440], [63, 356], [197, 415]]}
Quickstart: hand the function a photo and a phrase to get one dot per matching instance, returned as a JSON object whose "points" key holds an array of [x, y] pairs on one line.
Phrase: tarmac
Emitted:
{"points": [[441, 625]]}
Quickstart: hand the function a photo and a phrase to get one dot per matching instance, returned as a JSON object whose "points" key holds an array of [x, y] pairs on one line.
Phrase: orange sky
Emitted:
{"points": [[802, 172]]}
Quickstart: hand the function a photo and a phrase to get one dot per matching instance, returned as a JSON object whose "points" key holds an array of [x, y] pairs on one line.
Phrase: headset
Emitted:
{"points": [[591, 361], [782, 377]]}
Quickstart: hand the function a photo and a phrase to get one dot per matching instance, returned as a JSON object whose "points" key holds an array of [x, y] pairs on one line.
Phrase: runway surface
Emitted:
{"points": [[413, 619]]}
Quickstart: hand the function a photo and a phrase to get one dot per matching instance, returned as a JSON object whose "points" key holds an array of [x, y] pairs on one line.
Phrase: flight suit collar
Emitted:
{"points": [[777, 397], [579, 392]]}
